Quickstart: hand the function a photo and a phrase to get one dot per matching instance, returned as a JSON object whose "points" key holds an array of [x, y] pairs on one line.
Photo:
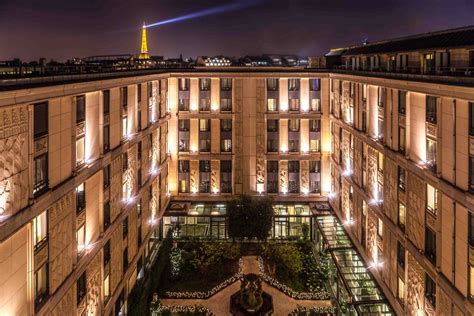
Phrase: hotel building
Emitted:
{"points": [[90, 163]]}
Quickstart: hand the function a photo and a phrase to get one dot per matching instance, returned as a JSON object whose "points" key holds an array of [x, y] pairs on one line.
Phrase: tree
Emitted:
{"points": [[250, 217]]}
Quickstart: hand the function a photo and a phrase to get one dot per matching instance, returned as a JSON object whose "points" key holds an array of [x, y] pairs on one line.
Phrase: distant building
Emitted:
{"points": [[216, 61]]}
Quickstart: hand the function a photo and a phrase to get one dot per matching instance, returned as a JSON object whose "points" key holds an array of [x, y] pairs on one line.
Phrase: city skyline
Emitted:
{"points": [[60, 31]]}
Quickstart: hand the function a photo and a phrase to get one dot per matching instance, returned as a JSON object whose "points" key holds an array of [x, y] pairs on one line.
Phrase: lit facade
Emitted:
{"points": [[89, 168]]}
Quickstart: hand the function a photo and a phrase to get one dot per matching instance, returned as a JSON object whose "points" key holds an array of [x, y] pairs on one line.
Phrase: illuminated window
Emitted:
{"points": [[401, 215], [431, 199], [431, 149], [315, 105], [471, 281], [106, 288], [380, 228], [80, 150], [226, 84], [272, 105], [183, 84], [81, 239], [401, 291], [204, 125], [124, 126], [40, 229], [205, 84], [80, 197], [315, 145], [401, 139]]}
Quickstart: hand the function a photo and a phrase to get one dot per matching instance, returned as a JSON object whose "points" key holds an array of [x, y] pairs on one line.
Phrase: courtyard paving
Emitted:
{"points": [[219, 303]]}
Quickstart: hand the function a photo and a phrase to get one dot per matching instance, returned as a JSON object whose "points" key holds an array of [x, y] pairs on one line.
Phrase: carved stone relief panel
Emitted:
{"points": [[390, 191], [194, 175], [14, 159], [61, 239], [116, 188], [415, 287], [94, 283], [416, 198], [215, 173]]}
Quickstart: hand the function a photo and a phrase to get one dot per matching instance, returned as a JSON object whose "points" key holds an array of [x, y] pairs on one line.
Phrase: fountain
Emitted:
{"points": [[250, 299]]}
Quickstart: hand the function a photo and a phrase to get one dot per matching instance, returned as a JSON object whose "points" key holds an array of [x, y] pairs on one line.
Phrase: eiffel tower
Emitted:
{"points": [[144, 50]]}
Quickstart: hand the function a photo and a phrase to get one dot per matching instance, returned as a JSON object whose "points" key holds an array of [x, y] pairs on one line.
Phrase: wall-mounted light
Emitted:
{"points": [[260, 188], [305, 191], [347, 173], [215, 190], [331, 195], [194, 190]]}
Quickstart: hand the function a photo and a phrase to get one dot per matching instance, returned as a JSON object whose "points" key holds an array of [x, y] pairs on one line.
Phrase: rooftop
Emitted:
{"points": [[458, 37]]}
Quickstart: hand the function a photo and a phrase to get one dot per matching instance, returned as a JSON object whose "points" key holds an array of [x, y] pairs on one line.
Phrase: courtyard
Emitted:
{"points": [[307, 264]]}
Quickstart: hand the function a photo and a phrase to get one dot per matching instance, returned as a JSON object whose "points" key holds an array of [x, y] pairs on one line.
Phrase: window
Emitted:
{"points": [[106, 253], [124, 126], [293, 125], [183, 84], [204, 84], [471, 282], [401, 291], [124, 162], [80, 150], [272, 105], [80, 109], [106, 135], [401, 178], [294, 104], [380, 228], [471, 118], [272, 176], [124, 96], [81, 239], [431, 199], [106, 180], [272, 84], [107, 288], [81, 288], [381, 96], [40, 121], [430, 290], [139, 92], [40, 229], [183, 104], [315, 105], [41, 284], [294, 84], [226, 84], [125, 260], [401, 255], [226, 104], [314, 84], [314, 125], [106, 101], [80, 197], [204, 176], [431, 149], [401, 139], [401, 215], [226, 135], [431, 112], [226, 176], [204, 104], [125, 228], [106, 215], [41, 173], [402, 102], [204, 135], [471, 229], [204, 125], [430, 245]]}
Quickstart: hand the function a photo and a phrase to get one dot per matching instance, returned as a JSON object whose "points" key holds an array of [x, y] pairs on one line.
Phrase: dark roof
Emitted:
{"points": [[443, 39]]}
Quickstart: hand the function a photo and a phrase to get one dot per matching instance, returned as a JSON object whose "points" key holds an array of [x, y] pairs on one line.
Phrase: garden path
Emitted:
{"points": [[219, 303]]}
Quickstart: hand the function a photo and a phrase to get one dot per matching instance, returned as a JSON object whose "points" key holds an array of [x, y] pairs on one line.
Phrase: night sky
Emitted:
{"points": [[61, 29]]}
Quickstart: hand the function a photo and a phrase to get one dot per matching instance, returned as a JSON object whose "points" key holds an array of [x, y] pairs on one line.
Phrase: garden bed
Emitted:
{"points": [[200, 269], [294, 269]]}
